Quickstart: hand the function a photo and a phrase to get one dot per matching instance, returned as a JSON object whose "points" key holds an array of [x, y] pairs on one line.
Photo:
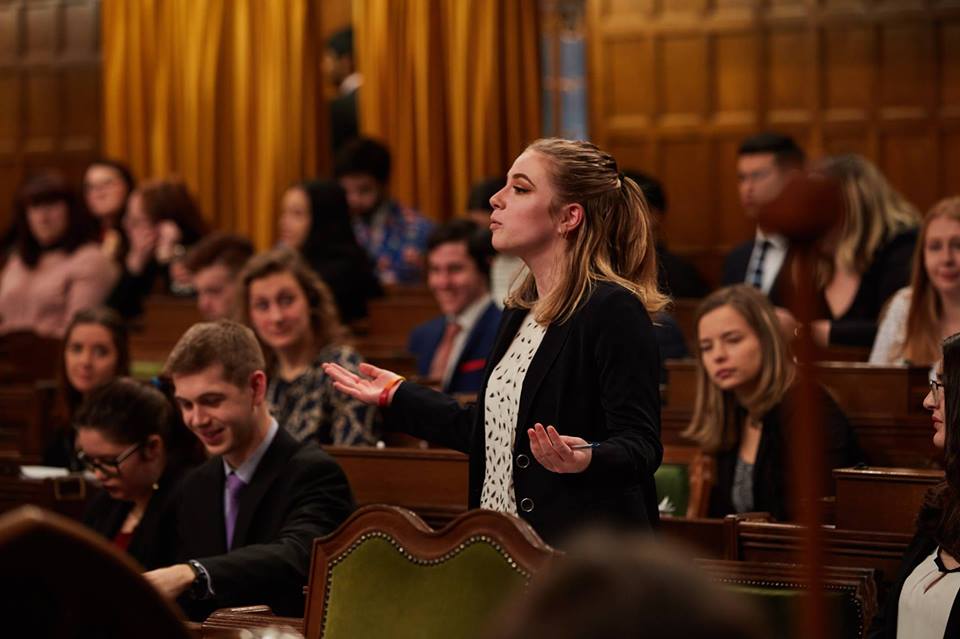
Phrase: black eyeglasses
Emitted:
{"points": [[936, 389], [109, 466]]}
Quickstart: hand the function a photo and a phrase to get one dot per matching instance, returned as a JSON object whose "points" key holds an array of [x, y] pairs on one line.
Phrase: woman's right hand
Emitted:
{"points": [[365, 387]]}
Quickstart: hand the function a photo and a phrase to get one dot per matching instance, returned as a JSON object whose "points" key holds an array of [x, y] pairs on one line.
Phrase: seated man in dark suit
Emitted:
{"points": [[676, 276], [765, 163], [453, 348], [248, 516]]}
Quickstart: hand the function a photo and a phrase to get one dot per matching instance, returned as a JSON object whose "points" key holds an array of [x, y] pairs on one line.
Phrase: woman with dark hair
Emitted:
{"points": [[315, 221], [95, 351], [293, 314], [924, 601], [107, 185], [56, 267], [746, 401], [123, 432], [162, 220], [566, 430]]}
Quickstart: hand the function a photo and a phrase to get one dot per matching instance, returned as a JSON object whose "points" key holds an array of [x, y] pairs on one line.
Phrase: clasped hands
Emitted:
{"points": [[551, 449]]}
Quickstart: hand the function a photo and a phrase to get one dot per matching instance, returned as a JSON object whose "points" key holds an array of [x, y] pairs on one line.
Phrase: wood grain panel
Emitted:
{"points": [[907, 68], [735, 76], [904, 157], [950, 165], [849, 70], [81, 122], [949, 81], [42, 111], [40, 37], [9, 111], [683, 80], [788, 72], [80, 29], [9, 35], [630, 85], [689, 221]]}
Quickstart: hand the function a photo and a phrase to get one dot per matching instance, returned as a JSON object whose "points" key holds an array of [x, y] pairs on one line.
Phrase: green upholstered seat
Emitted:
{"points": [[405, 597], [673, 484], [145, 369], [399, 579]]}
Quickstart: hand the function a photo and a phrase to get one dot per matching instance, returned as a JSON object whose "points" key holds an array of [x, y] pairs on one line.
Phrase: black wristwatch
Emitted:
{"points": [[200, 588]]}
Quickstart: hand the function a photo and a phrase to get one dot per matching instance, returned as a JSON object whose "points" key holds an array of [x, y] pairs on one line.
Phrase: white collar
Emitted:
{"points": [[249, 467], [471, 314]]}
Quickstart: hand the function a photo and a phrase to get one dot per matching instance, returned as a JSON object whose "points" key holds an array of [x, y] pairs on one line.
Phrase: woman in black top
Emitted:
{"points": [[566, 429], [746, 402], [924, 602], [867, 257], [123, 430], [315, 221]]}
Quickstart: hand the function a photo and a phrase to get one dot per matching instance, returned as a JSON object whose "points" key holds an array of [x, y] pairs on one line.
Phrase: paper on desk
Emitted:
{"points": [[42, 472]]}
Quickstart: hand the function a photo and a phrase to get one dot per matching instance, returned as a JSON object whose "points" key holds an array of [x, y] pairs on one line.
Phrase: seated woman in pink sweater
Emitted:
{"points": [[56, 267]]}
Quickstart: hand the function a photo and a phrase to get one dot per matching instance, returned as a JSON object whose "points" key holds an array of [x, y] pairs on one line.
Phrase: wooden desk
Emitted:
{"points": [[882, 499], [431, 482], [165, 319], [25, 416]]}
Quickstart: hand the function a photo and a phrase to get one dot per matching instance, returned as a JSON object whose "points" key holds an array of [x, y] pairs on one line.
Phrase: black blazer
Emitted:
{"points": [[735, 272], [884, 624], [889, 272], [153, 543], [771, 470], [297, 493], [594, 376]]}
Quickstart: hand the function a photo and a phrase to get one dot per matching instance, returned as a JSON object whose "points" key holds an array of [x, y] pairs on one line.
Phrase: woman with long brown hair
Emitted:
{"points": [[566, 429], [928, 310], [294, 315], [745, 404]]}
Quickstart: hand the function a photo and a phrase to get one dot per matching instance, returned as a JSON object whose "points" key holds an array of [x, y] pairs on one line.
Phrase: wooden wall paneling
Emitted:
{"points": [[692, 216], [948, 82], [681, 83], [50, 90], [950, 163]]}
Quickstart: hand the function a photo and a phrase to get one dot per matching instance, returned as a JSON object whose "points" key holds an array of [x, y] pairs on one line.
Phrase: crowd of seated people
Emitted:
{"points": [[344, 242]]}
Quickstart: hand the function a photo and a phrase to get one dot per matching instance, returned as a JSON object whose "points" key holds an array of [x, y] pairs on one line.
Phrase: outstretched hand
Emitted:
{"points": [[365, 387], [554, 451]]}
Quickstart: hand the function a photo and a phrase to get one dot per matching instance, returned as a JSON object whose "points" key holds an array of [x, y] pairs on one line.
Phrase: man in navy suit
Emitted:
{"points": [[453, 349], [765, 163]]}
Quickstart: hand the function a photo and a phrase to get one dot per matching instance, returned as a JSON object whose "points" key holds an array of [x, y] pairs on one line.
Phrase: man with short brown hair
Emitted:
{"points": [[215, 262], [249, 515]]}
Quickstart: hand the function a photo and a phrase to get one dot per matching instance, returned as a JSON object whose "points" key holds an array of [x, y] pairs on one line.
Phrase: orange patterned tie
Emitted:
{"points": [[440, 358]]}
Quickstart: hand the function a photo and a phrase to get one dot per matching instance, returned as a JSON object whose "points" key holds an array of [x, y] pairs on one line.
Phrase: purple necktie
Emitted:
{"points": [[234, 486]]}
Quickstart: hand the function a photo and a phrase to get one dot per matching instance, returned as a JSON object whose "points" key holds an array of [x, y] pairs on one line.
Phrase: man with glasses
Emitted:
{"points": [[249, 515]]}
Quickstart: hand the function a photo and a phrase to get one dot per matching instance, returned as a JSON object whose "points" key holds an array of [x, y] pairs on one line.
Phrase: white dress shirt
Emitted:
{"points": [[772, 260]]}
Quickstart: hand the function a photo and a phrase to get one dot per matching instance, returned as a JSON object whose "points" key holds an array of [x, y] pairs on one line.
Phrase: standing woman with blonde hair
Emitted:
{"points": [[566, 429], [866, 258], [928, 310], [745, 404]]}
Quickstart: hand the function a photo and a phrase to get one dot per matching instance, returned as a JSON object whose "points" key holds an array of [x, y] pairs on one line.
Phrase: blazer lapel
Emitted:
{"points": [[272, 464], [211, 539], [543, 360]]}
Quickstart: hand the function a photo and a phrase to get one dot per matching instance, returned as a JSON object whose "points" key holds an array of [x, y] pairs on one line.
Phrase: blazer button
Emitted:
{"points": [[522, 461], [526, 504]]}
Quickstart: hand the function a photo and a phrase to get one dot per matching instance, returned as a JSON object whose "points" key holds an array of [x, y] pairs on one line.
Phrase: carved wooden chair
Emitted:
{"points": [[63, 580]]}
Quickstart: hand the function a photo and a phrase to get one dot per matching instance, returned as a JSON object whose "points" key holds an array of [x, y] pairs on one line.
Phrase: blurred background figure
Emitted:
{"points": [[293, 315], [745, 405], [315, 221], [340, 70], [917, 317], [56, 267], [162, 221], [452, 349], [394, 236], [614, 586], [107, 185], [95, 351], [214, 262]]}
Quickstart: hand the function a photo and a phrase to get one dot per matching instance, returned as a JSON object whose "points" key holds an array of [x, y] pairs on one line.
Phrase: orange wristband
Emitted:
{"points": [[385, 393]]}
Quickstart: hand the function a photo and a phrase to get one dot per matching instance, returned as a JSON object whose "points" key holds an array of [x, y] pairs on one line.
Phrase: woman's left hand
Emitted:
{"points": [[553, 451]]}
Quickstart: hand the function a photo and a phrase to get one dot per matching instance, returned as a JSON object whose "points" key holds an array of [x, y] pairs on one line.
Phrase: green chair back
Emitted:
{"points": [[386, 574], [673, 489]]}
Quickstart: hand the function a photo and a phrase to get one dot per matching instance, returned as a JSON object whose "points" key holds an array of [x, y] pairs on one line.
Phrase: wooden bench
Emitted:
{"points": [[26, 357], [883, 404], [26, 411], [881, 499], [165, 319]]}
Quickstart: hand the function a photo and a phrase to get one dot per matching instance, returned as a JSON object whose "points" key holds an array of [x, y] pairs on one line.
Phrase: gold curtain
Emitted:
{"points": [[452, 87], [222, 93]]}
